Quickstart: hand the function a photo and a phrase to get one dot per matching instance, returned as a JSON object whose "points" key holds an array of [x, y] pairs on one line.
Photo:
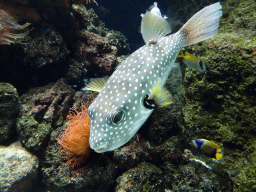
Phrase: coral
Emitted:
{"points": [[10, 30], [75, 138], [42, 110]]}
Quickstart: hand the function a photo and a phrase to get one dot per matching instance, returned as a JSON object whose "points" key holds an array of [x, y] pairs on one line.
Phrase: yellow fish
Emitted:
{"points": [[208, 148], [194, 62]]}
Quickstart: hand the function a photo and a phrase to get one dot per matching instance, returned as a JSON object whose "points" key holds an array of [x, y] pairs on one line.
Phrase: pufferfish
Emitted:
{"points": [[208, 148], [132, 92]]}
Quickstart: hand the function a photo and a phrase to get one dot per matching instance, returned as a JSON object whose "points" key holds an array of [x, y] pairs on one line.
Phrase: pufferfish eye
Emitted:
{"points": [[118, 116], [148, 104]]}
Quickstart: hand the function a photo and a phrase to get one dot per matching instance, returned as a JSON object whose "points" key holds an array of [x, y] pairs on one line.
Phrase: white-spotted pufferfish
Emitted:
{"points": [[131, 93]]}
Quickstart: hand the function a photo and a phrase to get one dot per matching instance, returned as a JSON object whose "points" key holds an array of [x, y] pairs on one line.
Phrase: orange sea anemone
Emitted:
{"points": [[75, 138]]}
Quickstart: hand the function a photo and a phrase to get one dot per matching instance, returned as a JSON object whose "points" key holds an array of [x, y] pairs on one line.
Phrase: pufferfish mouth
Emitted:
{"points": [[99, 150]]}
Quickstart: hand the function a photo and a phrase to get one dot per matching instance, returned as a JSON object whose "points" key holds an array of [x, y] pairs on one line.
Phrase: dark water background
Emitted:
{"points": [[124, 16]]}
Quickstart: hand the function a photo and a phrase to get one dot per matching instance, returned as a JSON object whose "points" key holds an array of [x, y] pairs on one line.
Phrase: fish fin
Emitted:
{"points": [[154, 27], [203, 25], [190, 57], [161, 96], [181, 54], [96, 84], [219, 156], [187, 56]]}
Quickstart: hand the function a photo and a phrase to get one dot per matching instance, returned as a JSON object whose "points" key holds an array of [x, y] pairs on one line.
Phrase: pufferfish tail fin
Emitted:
{"points": [[203, 25]]}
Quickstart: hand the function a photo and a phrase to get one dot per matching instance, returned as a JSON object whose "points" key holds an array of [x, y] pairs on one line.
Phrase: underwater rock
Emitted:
{"points": [[185, 176], [43, 109], [220, 104], [187, 4], [93, 179], [162, 124], [120, 41], [96, 53], [97, 47], [133, 154], [19, 169], [42, 55], [145, 177], [45, 47], [9, 109], [96, 175], [89, 20], [74, 73], [196, 177]]}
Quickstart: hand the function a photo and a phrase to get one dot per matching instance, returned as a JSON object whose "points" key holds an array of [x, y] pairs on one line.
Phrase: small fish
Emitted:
{"points": [[194, 62], [129, 96], [208, 148]]}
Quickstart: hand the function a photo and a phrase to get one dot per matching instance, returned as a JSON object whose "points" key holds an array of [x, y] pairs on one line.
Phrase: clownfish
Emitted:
{"points": [[208, 148]]}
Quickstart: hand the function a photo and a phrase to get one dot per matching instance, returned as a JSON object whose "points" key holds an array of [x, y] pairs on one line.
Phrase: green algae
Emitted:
{"points": [[9, 108], [33, 135], [145, 177]]}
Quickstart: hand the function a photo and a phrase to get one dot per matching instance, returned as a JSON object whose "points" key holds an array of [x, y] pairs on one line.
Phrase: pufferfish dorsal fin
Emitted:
{"points": [[161, 96], [153, 25], [96, 84]]}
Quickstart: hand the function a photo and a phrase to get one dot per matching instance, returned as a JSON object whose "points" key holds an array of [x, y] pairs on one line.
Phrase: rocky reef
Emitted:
{"points": [[221, 103], [66, 46]]}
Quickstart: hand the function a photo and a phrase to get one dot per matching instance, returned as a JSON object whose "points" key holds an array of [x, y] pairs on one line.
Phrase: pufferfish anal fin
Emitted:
{"points": [[161, 96], [96, 84], [154, 26]]}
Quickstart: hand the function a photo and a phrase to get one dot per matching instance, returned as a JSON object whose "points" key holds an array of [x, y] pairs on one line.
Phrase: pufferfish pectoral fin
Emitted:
{"points": [[161, 96], [97, 84]]}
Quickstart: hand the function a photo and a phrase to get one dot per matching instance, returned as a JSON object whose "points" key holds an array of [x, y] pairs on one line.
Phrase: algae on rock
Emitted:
{"points": [[221, 104]]}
